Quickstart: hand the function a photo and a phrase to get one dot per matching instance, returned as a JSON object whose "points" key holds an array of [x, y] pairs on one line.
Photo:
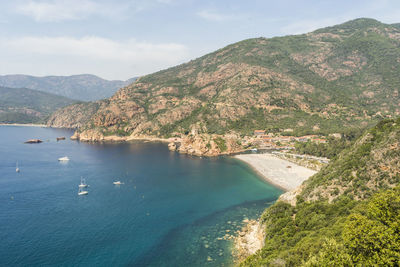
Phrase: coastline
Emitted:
{"points": [[279, 172], [248, 240], [23, 124]]}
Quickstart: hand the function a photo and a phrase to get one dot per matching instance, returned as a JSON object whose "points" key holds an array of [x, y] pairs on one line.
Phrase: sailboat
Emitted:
{"points": [[83, 183], [82, 192], [16, 168], [63, 159]]}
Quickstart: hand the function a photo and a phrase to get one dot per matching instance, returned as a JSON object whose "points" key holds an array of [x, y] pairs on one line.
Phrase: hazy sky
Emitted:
{"points": [[126, 38]]}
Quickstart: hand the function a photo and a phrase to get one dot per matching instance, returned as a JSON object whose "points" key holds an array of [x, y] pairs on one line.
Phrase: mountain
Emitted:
{"points": [[21, 105], [83, 87], [316, 83], [347, 214]]}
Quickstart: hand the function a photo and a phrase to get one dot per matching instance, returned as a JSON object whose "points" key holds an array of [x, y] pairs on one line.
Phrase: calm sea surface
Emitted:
{"points": [[172, 209]]}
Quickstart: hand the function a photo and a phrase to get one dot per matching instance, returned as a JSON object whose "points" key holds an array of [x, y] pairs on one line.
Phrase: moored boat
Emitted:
{"points": [[33, 141], [82, 192], [83, 183]]}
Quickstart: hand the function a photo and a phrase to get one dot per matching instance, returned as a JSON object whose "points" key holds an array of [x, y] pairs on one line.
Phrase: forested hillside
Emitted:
{"points": [[348, 214]]}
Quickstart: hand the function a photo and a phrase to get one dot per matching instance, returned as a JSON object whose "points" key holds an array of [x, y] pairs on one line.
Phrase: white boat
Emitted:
{"points": [[82, 192], [63, 159], [83, 183], [16, 168], [118, 183]]}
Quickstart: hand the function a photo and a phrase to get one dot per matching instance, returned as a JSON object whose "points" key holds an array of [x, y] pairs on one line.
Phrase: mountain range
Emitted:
{"points": [[316, 83], [84, 87], [21, 105]]}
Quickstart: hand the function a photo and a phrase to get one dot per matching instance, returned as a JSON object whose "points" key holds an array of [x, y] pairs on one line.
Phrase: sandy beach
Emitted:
{"points": [[21, 124], [279, 172]]}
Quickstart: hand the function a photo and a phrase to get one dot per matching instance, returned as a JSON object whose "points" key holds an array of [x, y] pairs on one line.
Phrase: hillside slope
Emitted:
{"points": [[321, 82], [21, 105], [83, 87], [348, 214]]}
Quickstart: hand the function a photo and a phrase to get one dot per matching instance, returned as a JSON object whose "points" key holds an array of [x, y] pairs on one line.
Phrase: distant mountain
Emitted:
{"points": [[321, 82], [20, 105], [83, 87]]}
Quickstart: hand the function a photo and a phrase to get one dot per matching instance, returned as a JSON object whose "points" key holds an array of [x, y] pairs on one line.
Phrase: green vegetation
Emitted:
{"points": [[327, 81], [19, 105], [333, 146], [348, 214], [221, 144], [363, 167], [343, 233]]}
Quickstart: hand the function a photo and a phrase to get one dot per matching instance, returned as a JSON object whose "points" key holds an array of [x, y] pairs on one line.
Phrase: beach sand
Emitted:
{"points": [[21, 124], [276, 170]]}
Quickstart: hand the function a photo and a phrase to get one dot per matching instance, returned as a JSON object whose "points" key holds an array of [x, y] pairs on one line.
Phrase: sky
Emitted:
{"points": [[122, 39]]}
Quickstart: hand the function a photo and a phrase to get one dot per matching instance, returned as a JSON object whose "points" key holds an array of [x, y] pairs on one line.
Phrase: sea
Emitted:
{"points": [[171, 210]]}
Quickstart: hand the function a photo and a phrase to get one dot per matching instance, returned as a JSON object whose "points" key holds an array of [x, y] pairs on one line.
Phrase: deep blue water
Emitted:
{"points": [[170, 211]]}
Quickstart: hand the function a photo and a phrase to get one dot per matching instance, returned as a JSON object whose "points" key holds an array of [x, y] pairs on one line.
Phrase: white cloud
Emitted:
{"points": [[101, 56], [214, 16], [60, 10]]}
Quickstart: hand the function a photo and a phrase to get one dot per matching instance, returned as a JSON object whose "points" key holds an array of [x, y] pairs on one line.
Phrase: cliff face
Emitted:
{"points": [[320, 82], [73, 116]]}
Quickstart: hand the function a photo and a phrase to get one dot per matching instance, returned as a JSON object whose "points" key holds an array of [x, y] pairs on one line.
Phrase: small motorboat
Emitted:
{"points": [[82, 192], [63, 159], [118, 183]]}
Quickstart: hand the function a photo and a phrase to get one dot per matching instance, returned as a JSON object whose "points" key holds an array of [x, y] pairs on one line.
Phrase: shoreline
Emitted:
{"points": [[25, 124], [278, 172]]}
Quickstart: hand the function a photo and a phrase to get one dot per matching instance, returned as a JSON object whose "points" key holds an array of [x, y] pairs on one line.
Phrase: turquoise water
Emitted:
{"points": [[170, 211]]}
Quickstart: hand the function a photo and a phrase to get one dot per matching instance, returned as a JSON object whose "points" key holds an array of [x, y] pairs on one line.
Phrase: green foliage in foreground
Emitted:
{"points": [[343, 233]]}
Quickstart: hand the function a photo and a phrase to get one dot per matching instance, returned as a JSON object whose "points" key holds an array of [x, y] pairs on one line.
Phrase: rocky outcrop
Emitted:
{"points": [[291, 196], [94, 135], [172, 146], [209, 145], [248, 240], [198, 145], [73, 116]]}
